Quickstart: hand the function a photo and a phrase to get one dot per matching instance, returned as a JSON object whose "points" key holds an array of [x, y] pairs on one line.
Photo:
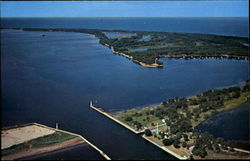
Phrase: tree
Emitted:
{"points": [[176, 144], [184, 144], [148, 132], [185, 136], [216, 148], [168, 142], [128, 118], [202, 153]]}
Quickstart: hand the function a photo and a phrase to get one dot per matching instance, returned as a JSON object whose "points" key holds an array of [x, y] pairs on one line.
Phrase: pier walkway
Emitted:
{"points": [[114, 119]]}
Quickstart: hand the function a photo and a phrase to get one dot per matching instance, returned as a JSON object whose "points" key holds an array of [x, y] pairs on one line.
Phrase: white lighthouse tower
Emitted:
{"points": [[157, 129]]}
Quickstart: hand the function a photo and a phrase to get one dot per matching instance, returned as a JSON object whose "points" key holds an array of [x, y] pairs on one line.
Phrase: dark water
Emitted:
{"points": [[52, 79], [220, 26], [79, 152], [231, 125]]}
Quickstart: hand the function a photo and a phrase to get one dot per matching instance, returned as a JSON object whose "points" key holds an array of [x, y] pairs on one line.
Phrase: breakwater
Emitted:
{"points": [[77, 135], [114, 119], [136, 132]]}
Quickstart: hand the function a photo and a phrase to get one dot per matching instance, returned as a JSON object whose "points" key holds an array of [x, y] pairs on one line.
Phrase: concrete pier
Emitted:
{"points": [[114, 119], [101, 152]]}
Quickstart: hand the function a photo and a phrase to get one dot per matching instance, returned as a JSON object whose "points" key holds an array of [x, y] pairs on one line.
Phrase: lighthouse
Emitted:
{"points": [[157, 129]]}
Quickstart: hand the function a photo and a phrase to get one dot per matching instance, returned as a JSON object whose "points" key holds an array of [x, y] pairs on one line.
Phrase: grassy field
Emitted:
{"points": [[45, 141]]}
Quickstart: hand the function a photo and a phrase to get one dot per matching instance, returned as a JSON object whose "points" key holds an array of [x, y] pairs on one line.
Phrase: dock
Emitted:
{"points": [[114, 119]]}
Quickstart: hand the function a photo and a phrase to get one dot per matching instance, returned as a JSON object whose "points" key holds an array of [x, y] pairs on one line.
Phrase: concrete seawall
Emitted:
{"points": [[136, 132], [116, 120], [166, 150], [101, 152]]}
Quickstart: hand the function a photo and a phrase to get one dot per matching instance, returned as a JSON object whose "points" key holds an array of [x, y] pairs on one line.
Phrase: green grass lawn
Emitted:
{"points": [[44, 141]]}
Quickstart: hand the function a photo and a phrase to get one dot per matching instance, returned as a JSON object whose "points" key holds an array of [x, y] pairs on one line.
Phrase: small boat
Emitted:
{"points": [[43, 35]]}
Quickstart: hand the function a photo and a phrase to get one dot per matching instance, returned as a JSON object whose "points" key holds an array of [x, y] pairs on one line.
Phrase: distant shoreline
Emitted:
{"points": [[98, 33]]}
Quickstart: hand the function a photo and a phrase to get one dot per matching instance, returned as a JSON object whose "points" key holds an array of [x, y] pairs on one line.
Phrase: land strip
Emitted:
{"points": [[165, 45], [32, 139], [179, 117]]}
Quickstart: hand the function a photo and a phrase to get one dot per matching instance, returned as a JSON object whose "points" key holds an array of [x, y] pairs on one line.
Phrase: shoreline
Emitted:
{"points": [[228, 105], [98, 32], [136, 132], [32, 152], [165, 149], [38, 151], [181, 56], [114, 119], [155, 65], [33, 157]]}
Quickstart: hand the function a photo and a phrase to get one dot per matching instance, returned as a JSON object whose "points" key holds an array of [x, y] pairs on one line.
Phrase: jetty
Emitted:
{"points": [[114, 119], [136, 132], [19, 134], [77, 135]]}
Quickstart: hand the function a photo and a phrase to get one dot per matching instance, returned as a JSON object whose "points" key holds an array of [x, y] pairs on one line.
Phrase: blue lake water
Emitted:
{"points": [[231, 26], [231, 125], [117, 34], [52, 79], [139, 49]]}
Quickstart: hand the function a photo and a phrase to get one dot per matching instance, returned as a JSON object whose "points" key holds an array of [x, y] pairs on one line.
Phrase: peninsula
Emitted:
{"points": [[171, 124], [146, 48]]}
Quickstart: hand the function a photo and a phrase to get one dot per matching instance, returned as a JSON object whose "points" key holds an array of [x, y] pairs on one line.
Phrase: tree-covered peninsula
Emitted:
{"points": [[145, 48], [171, 124]]}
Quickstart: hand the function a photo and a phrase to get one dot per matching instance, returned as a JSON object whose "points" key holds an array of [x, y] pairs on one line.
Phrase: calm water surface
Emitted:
{"points": [[230, 26], [52, 79], [231, 125], [113, 35]]}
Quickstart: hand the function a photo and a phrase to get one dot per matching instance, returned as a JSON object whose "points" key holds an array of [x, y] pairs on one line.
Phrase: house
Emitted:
{"points": [[152, 128], [191, 146]]}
